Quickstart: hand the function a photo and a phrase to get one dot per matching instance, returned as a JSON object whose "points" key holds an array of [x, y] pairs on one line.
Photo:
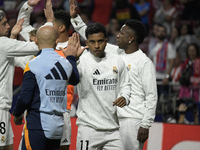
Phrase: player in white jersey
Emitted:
{"points": [[9, 48], [135, 119], [103, 84]]}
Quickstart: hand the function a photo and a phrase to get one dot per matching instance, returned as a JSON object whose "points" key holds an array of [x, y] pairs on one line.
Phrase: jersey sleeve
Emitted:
{"points": [[148, 78], [25, 12], [15, 48], [79, 26], [74, 79], [26, 93]]}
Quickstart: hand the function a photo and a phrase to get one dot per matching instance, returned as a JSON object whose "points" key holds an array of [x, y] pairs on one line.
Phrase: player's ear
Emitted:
{"points": [[62, 28], [131, 38], [36, 41]]}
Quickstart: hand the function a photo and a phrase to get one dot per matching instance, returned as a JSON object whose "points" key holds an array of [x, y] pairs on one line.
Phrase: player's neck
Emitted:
{"points": [[63, 38], [131, 49]]}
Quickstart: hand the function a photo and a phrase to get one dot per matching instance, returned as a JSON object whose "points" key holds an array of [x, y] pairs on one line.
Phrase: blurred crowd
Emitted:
{"points": [[172, 35]]}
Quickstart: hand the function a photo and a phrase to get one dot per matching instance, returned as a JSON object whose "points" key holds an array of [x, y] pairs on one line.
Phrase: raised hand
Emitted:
{"points": [[17, 28], [49, 11], [72, 9], [72, 47], [33, 2]]}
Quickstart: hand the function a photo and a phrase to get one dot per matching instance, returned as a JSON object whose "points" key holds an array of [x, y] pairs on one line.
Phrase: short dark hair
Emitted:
{"points": [[95, 28], [64, 17], [139, 29]]}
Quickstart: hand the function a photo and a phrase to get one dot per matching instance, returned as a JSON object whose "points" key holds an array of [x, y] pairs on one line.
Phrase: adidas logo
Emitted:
{"points": [[55, 73], [64, 141], [96, 72]]}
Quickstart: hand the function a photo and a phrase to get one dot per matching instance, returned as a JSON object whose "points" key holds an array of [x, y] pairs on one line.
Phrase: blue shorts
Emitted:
{"points": [[36, 140]]}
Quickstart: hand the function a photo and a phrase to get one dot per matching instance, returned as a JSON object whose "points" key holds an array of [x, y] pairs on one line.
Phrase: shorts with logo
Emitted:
{"points": [[6, 132], [128, 130], [91, 139], [66, 138]]}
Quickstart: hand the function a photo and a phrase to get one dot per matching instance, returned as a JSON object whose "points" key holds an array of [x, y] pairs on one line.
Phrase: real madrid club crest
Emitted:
{"points": [[3, 140], [128, 67], [115, 71]]}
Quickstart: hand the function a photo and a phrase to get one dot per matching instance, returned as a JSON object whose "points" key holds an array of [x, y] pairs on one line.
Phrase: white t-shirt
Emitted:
{"points": [[102, 81]]}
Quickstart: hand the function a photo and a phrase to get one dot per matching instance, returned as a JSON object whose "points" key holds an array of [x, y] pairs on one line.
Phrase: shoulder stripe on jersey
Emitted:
{"points": [[26, 68], [62, 71], [55, 73]]}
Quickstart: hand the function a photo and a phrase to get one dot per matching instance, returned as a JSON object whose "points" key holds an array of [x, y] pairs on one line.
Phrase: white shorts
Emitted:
{"points": [[128, 130], [91, 139], [6, 132], [66, 138]]}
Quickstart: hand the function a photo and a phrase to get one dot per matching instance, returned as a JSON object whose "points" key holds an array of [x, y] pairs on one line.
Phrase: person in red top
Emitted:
{"points": [[191, 86]]}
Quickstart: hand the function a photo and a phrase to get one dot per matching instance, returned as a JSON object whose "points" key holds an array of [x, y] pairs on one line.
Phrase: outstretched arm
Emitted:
{"points": [[25, 12], [77, 22]]}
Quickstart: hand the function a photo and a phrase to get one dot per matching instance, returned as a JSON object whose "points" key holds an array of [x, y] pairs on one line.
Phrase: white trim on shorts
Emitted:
{"points": [[66, 138]]}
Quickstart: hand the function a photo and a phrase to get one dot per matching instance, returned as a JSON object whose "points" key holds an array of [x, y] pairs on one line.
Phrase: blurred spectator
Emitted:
{"points": [[123, 11], [186, 37], [113, 30], [153, 39], [197, 34], [101, 11], [167, 14], [156, 4], [174, 36], [57, 4], [39, 20], [183, 109], [176, 73], [143, 8], [163, 55], [190, 75]]}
